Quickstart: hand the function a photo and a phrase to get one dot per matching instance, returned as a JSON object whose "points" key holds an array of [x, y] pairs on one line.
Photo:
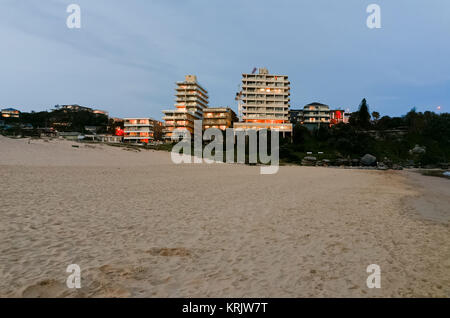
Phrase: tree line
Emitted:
{"points": [[384, 137]]}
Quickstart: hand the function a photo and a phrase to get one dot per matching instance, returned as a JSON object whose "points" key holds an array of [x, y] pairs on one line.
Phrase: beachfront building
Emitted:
{"points": [[191, 100], [294, 115], [219, 117], [75, 108], [265, 102], [108, 138], [101, 112], [10, 113], [338, 116], [138, 130], [313, 115], [158, 127]]}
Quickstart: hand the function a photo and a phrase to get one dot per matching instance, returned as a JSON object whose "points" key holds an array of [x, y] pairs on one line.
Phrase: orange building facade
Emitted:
{"points": [[191, 101], [138, 130], [219, 117]]}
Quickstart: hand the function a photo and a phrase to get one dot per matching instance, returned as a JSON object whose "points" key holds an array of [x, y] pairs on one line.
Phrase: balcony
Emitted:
{"points": [[216, 122], [137, 130], [137, 125]]}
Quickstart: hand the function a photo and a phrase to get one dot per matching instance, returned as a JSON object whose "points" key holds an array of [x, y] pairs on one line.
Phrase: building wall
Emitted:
{"points": [[138, 130], [191, 100], [221, 118], [75, 108], [10, 113], [177, 122], [265, 101], [315, 114], [265, 97]]}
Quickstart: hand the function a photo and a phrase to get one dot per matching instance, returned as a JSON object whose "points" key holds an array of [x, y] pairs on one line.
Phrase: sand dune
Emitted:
{"points": [[140, 226]]}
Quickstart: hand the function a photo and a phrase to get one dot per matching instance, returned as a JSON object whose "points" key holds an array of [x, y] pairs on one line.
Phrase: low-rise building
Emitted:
{"points": [[294, 115], [177, 122], [10, 113], [313, 115], [219, 117], [109, 138], [158, 128], [138, 130], [75, 108], [101, 112], [338, 116]]}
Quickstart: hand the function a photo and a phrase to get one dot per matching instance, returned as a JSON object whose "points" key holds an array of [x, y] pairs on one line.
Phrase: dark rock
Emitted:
{"points": [[368, 160], [342, 162], [309, 161], [387, 162], [418, 150]]}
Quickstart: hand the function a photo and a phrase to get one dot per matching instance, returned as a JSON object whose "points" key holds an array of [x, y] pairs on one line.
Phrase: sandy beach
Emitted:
{"points": [[140, 226]]}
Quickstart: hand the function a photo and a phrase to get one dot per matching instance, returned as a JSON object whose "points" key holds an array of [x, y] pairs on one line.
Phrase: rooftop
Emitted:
{"points": [[10, 110]]}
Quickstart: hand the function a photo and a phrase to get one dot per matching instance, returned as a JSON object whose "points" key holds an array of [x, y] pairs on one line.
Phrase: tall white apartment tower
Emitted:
{"points": [[265, 102]]}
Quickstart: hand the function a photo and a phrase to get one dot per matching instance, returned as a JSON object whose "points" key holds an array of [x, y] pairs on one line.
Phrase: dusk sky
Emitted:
{"points": [[128, 55]]}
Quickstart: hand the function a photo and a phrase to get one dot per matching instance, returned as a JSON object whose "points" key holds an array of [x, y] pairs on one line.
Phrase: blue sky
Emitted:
{"points": [[128, 55]]}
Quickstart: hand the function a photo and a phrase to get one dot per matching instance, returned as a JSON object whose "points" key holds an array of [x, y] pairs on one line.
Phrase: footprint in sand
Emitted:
{"points": [[48, 288], [169, 252]]}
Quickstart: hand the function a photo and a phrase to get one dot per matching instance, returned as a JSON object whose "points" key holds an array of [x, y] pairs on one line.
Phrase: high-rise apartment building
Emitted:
{"points": [[265, 102], [138, 130], [191, 100]]}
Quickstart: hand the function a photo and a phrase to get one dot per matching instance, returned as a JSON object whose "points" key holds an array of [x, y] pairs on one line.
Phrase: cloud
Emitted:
{"points": [[128, 54]]}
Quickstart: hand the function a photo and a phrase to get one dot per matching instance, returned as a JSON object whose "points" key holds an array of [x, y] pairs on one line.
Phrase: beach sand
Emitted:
{"points": [[140, 226]]}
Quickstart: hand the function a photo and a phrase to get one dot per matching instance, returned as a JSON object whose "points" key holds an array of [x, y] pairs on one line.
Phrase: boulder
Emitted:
{"points": [[342, 162], [397, 167], [418, 150], [387, 162], [309, 161], [409, 164], [382, 166], [368, 160]]}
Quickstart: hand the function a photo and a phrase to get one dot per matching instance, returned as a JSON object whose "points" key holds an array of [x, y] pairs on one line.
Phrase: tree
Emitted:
{"points": [[376, 116], [301, 133], [363, 115]]}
